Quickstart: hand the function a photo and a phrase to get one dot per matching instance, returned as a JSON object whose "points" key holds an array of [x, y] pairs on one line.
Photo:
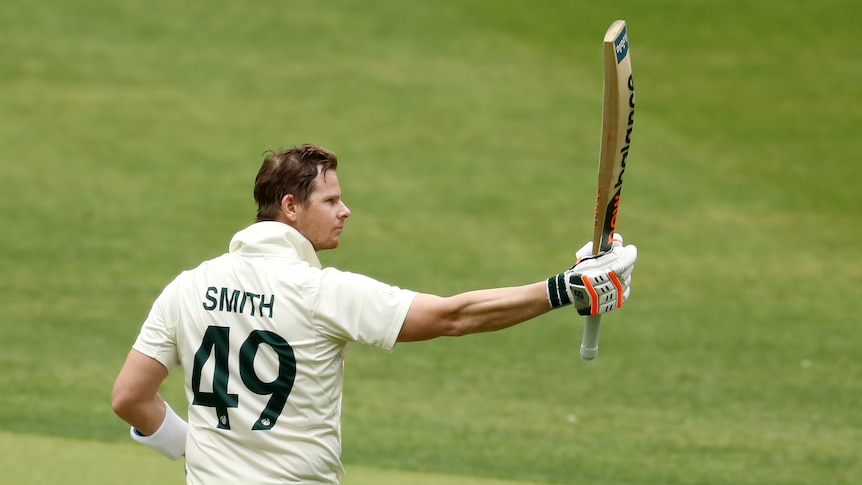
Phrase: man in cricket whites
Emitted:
{"points": [[260, 333]]}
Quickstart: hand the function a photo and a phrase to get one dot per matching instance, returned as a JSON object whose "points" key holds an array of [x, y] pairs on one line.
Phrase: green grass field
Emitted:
{"points": [[468, 134]]}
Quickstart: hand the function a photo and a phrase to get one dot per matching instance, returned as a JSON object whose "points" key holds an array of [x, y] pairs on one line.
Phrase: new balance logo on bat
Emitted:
{"points": [[624, 151]]}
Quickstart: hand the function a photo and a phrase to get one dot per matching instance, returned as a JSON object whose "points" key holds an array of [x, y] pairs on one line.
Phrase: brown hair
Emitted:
{"points": [[290, 171]]}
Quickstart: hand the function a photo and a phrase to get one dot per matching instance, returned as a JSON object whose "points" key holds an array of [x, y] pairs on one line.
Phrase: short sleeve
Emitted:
{"points": [[356, 308], [158, 336]]}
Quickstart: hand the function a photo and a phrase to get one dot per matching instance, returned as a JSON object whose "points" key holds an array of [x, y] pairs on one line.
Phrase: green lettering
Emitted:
{"points": [[228, 304], [269, 305], [210, 298], [252, 296]]}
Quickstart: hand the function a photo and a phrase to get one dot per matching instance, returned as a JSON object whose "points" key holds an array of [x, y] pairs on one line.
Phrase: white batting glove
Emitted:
{"points": [[587, 250], [596, 284]]}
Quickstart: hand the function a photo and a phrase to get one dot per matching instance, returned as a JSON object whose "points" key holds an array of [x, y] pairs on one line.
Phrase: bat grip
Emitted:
{"points": [[590, 343]]}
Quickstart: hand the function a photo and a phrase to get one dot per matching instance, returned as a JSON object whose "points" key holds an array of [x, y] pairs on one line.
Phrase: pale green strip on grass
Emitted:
{"points": [[40, 460]]}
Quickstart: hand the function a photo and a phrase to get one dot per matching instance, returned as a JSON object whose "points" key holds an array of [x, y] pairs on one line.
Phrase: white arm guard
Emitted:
{"points": [[169, 439]]}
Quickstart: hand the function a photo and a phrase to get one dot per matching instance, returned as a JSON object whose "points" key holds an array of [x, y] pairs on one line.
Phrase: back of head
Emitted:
{"points": [[290, 171]]}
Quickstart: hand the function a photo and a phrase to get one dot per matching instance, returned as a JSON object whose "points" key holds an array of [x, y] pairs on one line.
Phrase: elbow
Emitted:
{"points": [[125, 403], [456, 327], [432, 316], [120, 403], [450, 321], [453, 319]]}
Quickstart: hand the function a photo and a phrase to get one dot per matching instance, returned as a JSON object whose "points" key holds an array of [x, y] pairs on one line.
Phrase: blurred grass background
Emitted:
{"points": [[130, 134]]}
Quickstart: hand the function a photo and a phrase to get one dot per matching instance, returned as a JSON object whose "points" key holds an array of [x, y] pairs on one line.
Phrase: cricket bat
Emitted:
{"points": [[618, 112]]}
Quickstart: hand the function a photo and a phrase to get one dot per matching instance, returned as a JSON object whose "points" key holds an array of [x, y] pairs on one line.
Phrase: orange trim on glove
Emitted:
{"points": [[594, 296], [619, 288]]}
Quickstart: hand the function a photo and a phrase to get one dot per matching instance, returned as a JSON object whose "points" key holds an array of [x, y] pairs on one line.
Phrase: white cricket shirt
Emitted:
{"points": [[260, 333]]}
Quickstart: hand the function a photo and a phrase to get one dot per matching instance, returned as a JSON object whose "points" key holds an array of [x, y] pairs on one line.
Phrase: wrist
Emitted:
{"points": [[170, 439], [557, 291]]}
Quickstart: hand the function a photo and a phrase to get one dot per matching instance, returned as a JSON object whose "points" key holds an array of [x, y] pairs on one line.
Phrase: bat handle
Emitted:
{"points": [[590, 343]]}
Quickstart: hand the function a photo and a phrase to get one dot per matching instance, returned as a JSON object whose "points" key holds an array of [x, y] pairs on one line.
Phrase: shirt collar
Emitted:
{"points": [[271, 237]]}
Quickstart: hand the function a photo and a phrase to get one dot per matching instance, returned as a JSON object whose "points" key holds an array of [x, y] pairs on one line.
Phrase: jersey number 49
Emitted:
{"points": [[215, 345]]}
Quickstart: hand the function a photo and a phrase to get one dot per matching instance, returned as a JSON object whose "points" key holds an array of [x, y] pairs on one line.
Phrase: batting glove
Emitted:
{"points": [[595, 284]]}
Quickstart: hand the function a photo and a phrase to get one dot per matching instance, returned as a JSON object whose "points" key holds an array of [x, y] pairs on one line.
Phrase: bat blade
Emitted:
{"points": [[618, 110]]}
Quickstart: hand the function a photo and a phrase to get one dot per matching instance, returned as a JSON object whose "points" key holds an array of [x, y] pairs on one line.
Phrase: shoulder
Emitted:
{"points": [[349, 290]]}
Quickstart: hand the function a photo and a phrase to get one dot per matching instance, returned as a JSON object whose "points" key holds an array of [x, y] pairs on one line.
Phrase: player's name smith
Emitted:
{"points": [[238, 301]]}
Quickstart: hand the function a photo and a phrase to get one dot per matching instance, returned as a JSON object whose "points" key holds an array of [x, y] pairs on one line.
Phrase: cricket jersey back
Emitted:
{"points": [[260, 333]]}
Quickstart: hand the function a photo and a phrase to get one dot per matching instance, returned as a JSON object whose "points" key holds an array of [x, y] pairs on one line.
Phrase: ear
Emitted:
{"points": [[288, 207]]}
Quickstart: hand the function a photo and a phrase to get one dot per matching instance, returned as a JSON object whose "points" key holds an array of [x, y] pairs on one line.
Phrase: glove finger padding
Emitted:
{"points": [[627, 282], [596, 284], [587, 249]]}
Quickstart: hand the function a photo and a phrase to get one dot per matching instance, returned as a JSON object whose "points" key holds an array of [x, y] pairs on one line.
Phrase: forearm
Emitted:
{"points": [[498, 308], [594, 285], [168, 437], [473, 311], [146, 416]]}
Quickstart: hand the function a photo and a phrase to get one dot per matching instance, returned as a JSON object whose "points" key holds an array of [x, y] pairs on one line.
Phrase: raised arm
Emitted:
{"points": [[489, 310], [595, 285]]}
